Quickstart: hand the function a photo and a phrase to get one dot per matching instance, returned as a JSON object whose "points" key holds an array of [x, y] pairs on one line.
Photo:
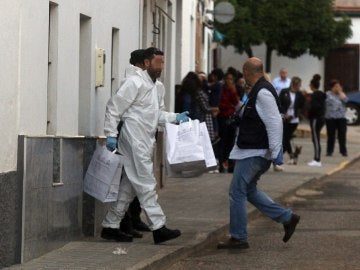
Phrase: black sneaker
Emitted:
{"points": [[290, 226], [115, 234], [233, 243], [164, 234]]}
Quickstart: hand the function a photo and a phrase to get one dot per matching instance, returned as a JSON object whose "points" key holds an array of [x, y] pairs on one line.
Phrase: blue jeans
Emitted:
{"points": [[247, 172]]}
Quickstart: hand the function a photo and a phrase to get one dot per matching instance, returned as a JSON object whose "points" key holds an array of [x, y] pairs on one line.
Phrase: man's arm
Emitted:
{"points": [[268, 111], [118, 104], [164, 117]]}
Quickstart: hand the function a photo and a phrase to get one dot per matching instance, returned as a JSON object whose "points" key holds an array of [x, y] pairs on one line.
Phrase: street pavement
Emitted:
{"points": [[199, 208], [327, 237]]}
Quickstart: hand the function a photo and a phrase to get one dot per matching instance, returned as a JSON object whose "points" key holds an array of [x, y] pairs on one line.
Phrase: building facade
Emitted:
{"points": [[64, 59]]}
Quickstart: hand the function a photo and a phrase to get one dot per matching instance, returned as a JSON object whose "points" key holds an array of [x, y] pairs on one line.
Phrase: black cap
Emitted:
{"points": [[137, 57]]}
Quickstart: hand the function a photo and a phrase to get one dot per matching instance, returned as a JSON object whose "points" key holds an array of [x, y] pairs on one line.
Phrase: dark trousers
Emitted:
{"points": [[316, 125], [227, 134], [333, 126], [132, 216], [289, 129]]}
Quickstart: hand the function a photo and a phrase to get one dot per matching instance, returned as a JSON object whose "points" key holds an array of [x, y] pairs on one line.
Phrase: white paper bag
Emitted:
{"points": [[182, 174], [102, 178], [210, 159], [184, 150]]}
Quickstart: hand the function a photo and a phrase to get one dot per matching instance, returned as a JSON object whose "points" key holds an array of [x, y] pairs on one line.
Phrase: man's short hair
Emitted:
{"points": [[137, 57], [149, 53]]}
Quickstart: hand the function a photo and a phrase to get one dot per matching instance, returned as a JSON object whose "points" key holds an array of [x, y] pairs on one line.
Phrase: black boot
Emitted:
{"points": [[115, 234], [127, 227], [164, 234]]}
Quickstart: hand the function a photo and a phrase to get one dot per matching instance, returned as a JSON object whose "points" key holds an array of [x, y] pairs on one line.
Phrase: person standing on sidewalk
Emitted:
{"points": [[258, 144], [335, 117], [316, 117], [195, 97], [229, 103], [215, 85], [139, 103], [291, 103], [282, 81]]}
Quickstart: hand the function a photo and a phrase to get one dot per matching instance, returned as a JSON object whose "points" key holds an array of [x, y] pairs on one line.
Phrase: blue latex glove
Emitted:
{"points": [[279, 160], [244, 98], [111, 143], [182, 117]]}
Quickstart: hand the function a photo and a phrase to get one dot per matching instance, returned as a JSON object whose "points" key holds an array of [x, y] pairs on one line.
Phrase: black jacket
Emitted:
{"points": [[252, 132], [317, 105], [285, 101]]}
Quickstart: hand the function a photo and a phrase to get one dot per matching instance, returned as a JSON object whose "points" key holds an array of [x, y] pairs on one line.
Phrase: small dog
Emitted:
{"points": [[295, 155]]}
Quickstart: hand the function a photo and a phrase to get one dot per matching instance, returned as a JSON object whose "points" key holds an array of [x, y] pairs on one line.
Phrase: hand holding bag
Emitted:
{"points": [[102, 178], [190, 171]]}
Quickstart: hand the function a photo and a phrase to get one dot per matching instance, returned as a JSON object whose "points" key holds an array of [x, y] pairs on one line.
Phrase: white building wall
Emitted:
{"points": [[170, 55], [355, 39], [23, 89], [188, 37], [165, 39], [304, 67], [9, 109], [207, 51]]}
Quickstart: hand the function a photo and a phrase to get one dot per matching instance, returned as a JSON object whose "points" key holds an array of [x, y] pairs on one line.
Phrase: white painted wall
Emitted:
{"points": [[188, 37], [9, 109], [24, 43], [170, 56], [304, 67], [186, 40], [24, 35]]}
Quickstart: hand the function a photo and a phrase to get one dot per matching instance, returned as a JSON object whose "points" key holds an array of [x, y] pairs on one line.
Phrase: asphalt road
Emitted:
{"points": [[327, 237]]}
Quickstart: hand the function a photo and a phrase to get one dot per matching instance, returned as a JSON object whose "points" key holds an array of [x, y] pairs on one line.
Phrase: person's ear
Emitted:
{"points": [[146, 63]]}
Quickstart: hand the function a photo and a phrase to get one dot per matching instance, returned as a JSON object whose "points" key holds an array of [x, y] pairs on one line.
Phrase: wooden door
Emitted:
{"points": [[343, 64]]}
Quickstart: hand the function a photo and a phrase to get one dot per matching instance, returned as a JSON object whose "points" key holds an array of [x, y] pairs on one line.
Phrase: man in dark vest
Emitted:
{"points": [[259, 143]]}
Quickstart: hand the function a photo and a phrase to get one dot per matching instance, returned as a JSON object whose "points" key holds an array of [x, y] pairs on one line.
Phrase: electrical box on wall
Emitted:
{"points": [[99, 67]]}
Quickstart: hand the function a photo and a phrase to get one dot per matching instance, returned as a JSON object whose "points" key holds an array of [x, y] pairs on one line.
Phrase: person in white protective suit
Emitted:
{"points": [[139, 103], [131, 223]]}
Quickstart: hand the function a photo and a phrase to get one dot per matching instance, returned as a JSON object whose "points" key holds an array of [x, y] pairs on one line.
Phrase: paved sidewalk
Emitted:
{"points": [[196, 206]]}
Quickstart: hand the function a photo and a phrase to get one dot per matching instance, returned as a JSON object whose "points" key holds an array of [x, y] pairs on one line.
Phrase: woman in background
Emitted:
{"points": [[196, 102], [291, 103], [335, 117], [316, 112], [229, 103]]}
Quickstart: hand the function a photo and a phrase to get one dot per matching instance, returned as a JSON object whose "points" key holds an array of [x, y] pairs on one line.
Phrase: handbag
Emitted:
{"points": [[102, 178], [184, 150]]}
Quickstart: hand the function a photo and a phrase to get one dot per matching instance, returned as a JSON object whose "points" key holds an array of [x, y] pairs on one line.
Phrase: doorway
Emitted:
{"points": [[343, 64]]}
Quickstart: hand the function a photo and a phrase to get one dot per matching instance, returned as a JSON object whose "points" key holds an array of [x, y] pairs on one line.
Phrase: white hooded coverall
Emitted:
{"points": [[139, 103]]}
